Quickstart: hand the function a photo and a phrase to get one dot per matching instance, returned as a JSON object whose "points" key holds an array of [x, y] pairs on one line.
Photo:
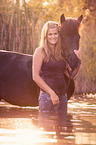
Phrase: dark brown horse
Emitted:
{"points": [[69, 31], [16, 84]]}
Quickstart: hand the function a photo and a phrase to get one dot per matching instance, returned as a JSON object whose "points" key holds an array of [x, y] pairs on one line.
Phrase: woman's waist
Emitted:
{"points": [[59, 93], [58, 85], [55, 80], [53, 77]]}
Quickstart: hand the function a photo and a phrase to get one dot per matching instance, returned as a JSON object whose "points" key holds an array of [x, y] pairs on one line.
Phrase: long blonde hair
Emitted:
{"points": [[43, 43]]}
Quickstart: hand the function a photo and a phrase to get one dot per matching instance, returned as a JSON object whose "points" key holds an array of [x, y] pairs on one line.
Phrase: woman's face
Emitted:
{"points": [[52, 36]]}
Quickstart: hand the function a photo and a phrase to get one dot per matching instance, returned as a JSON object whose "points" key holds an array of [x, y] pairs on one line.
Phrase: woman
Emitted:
{"points": [[48, 70]]}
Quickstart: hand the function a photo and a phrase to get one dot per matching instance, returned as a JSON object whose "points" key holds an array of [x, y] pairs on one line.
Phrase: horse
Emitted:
{"points": [[69, 31], [16, 84]]}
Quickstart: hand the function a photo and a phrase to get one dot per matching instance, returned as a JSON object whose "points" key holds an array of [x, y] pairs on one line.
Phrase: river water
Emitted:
{"points": [[26, 126]]}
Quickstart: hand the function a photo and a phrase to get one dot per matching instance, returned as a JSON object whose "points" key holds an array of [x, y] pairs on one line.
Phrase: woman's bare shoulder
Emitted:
{"points": [[39, 52]]}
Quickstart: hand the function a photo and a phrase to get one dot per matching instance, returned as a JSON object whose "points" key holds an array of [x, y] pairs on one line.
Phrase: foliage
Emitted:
{"points": [[88, 49]]}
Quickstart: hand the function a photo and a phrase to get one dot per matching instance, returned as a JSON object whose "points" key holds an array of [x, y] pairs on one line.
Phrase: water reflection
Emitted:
{"points": [[26, 126], [58, 127]]}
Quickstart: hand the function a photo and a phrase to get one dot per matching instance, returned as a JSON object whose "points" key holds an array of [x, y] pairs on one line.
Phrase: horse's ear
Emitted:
{"points": [[62, 18], [80, 18]]}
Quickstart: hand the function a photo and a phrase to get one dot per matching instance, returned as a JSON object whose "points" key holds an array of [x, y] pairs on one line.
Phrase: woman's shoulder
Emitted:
{"points": [[39, 51]]}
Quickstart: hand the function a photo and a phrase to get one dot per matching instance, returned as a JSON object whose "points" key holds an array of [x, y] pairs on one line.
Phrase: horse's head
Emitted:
{"points": [[69, 32]]}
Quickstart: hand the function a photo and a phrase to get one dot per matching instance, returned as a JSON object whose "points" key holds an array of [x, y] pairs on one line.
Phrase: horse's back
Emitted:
{"points": [[16, 83]]}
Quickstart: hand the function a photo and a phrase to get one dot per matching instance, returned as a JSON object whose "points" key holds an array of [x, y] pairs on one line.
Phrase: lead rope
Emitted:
{"points": [[68, 81]]}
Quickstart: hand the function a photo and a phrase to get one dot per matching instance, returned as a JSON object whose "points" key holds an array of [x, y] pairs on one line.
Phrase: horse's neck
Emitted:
{"points": [[68, 52]]}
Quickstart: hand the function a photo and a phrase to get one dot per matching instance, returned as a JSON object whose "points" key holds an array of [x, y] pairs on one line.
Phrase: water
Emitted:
{"points": [[26, 126]]}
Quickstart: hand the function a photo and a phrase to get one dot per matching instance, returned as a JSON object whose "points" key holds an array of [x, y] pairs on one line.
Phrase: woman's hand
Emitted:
{"points": [[54, 98]]}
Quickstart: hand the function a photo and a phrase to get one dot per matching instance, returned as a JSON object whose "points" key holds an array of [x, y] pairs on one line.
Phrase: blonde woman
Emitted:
{"points": [[48, 70]]}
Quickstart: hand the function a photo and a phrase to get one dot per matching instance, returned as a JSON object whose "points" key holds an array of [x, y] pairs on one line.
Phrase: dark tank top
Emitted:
{"points": [[52, 73]]}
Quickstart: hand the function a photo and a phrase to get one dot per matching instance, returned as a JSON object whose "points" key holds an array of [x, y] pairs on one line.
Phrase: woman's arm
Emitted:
{"points": [[36, 67]]}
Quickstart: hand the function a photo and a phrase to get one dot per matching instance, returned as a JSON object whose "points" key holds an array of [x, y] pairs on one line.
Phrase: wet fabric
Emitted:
{"points": [[46, 105]]}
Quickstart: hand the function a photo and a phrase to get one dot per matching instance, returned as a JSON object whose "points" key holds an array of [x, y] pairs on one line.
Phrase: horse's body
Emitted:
{"points": [[16, 84]]}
